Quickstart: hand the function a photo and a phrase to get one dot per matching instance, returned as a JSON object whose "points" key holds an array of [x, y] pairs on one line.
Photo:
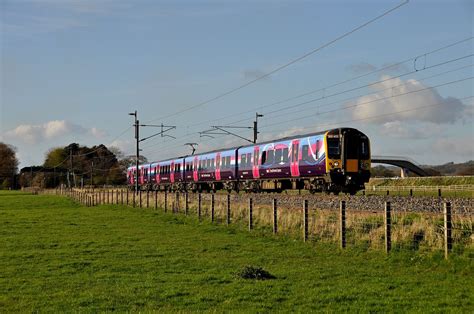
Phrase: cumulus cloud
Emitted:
{"points": [[127, 147], [384, 101], [399, 129], [361, 68], [35, 133]]}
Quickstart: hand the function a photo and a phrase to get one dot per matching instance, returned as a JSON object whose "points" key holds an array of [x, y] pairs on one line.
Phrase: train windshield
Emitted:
{"points": [[334, 150]]}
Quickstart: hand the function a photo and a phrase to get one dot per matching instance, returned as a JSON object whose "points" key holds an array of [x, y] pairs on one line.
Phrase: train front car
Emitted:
{"points": [[347, 160]]}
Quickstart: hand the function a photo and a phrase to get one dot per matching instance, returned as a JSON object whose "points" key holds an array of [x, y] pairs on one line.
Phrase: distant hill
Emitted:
{"points": [[452, 169], [448, 169]]}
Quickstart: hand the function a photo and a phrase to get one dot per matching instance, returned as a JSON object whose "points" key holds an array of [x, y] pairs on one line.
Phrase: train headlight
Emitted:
{"points": [[336, 164]]}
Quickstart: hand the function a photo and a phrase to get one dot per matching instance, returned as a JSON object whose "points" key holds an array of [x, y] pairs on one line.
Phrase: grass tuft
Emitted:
{"points": [[253, 272]]}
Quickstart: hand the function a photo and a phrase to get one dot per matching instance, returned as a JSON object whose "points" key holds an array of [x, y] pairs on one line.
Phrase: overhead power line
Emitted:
{"points": [[384, 114], [321, 89], [375, 100], [338, 109], [340, 93], [284, 65]]}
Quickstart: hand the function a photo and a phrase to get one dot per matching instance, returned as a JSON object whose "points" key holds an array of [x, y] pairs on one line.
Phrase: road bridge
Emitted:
{"points": [[402, 162]]}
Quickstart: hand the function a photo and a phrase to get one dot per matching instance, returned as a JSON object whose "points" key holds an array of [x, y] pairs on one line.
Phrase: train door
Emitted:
{"points": [[218, 166], [195, 168], [255, 164], [294, 162], [141, 176], [172, 172], [157, 174]]}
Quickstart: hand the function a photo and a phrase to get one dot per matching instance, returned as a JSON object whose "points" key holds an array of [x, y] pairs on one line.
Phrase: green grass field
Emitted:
{"points": [[58, 256]]}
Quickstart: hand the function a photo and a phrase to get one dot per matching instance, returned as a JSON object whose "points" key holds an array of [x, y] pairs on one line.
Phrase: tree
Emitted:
{"points": [[381, 171], [97, 165], [8, 165], [56, 157]]}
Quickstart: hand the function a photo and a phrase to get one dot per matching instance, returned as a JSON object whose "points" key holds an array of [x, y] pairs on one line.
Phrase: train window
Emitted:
{"points": [[224, 165], [278, 153], [306, 153], [270, 157], [284, 156], [264, 157], [212, 163], [249, 159], [227, 161], [364, 148], [334, 150], [243, 160]]}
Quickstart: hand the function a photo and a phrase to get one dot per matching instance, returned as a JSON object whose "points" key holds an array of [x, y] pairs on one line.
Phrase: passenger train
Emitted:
{"points": [[332, 161]]}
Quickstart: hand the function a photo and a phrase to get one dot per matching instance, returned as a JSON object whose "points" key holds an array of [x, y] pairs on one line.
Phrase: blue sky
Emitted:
{"points": [[72, 70]]}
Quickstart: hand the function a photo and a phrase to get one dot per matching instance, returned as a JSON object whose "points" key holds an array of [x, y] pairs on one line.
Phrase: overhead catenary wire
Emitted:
{"points": [[321, 126], [396, 64], [376, 100], [231, 91], [382, 115], [342, 92], [375, 93], [426, 53]]}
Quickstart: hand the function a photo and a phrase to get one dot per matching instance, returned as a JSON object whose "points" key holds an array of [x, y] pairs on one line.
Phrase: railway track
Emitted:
{"points": [[359, 203]]}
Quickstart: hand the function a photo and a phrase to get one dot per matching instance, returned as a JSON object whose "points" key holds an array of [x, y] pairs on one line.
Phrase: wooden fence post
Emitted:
{"points": [[140, 196], [448, 241], [199, 206], [127, 197], [177, 202], [134, 201], [228, 209], [147, 198], [108, 197], [275, 216], [388, 224], [156, 200], [186, 203], [305, 220], [166, 201], [212, 207], [342, 224], [250, 214]]}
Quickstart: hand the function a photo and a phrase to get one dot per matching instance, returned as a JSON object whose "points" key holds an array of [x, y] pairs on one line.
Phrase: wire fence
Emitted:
{"points": [[390, 227]]}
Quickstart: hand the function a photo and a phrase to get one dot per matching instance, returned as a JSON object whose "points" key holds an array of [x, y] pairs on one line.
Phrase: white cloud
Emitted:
{"points": [[127, 147], [32, 134], [390, 107], [399, 129], [97, 133]]}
